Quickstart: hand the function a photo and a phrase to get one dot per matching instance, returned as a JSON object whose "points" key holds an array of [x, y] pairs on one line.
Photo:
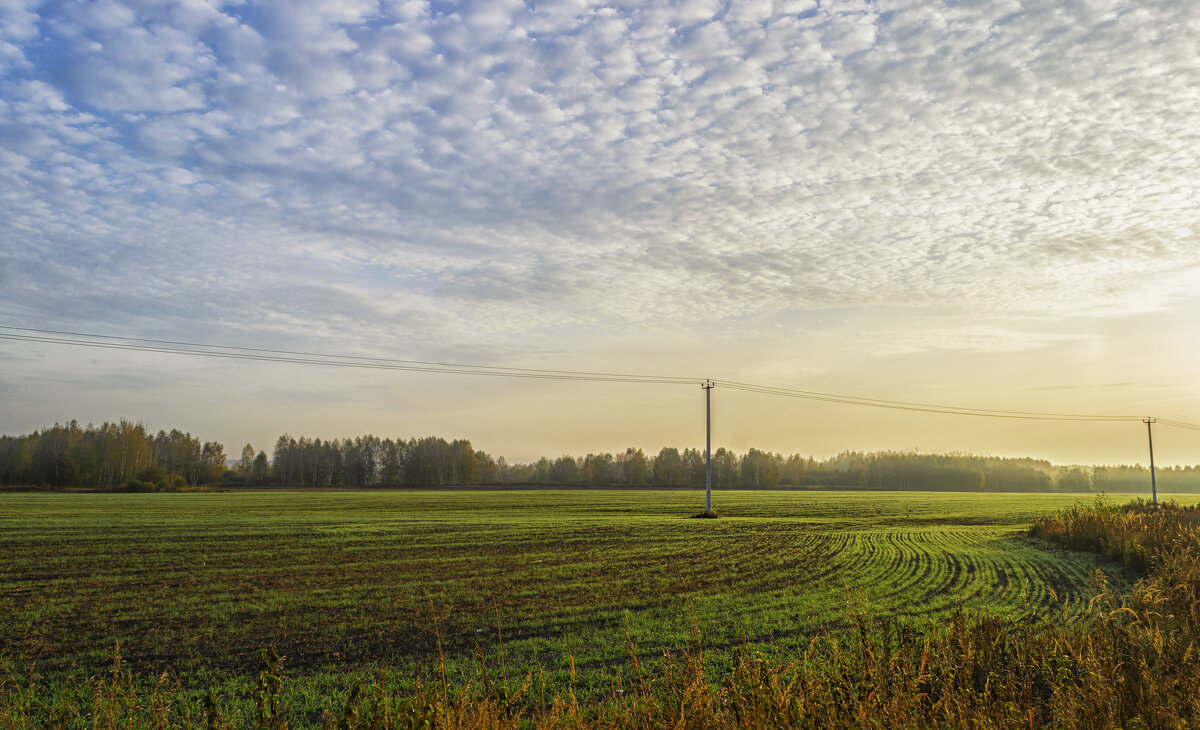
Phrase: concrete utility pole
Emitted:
{"points": [[708, 386], [1150, 438]]}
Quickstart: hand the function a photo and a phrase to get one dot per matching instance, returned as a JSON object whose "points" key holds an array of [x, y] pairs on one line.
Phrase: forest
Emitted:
{"points": [[112, 455], [127, 456]]}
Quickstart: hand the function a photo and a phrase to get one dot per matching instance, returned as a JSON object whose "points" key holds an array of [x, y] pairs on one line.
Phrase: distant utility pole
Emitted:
{"points": [[1150, 438], [708, 386]]}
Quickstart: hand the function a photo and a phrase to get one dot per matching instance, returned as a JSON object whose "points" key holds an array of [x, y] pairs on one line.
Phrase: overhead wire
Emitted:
{"points": [[302, 353], [1178, 424], [920, 407], [299, 357], [347, 362], [317, 358]]}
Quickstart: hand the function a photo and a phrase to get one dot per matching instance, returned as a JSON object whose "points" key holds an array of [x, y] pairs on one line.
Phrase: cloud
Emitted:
{"points": [[508, 168]]}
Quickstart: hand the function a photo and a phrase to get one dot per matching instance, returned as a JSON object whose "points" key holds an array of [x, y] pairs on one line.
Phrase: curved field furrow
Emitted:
{"points": [[917, 571], [911, 566]]}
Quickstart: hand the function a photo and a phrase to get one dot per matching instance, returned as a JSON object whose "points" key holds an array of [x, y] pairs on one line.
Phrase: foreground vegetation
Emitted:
{"points": [[606, 608]]}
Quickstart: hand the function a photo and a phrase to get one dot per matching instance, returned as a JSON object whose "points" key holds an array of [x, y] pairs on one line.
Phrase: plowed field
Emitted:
{"points": [[196, 583]]}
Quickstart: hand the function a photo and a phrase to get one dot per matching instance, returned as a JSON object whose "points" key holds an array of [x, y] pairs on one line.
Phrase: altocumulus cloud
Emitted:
{"points": [[448, 169]]}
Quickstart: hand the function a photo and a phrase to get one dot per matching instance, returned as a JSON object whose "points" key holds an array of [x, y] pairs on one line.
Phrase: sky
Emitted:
{"points": [[982, 203]]}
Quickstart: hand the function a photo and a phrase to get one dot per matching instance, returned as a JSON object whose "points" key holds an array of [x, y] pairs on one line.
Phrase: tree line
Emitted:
{"points": [[111, 455], [127, 455]]}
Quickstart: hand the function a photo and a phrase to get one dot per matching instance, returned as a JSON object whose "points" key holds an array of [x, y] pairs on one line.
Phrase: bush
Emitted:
{"points": [[135, 485]]}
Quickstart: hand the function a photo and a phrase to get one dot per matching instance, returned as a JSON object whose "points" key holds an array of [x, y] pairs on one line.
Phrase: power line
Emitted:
{"points": [[344, 361], [262, 354], [920, 407], [301, 353], [1179, 424], [348, 363]]}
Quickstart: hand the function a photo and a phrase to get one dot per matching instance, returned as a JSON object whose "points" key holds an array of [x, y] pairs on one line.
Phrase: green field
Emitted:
{"points": [[343, 582]]}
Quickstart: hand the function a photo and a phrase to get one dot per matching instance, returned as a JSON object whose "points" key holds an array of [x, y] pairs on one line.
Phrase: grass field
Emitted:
{"points": [[341, 583]]}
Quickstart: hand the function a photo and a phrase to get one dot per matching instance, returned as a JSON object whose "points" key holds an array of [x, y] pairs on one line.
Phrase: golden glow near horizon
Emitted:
{"points": [[988, 204], [523, 420]]}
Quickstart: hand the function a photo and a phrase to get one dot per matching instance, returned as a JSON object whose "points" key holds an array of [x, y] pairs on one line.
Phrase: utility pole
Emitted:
{"points": [[1150, 438], [708, 386]]}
